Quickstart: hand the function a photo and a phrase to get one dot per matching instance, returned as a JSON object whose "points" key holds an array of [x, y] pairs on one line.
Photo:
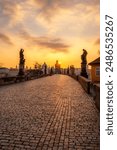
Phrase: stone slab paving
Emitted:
{"points": [[51, 113]]}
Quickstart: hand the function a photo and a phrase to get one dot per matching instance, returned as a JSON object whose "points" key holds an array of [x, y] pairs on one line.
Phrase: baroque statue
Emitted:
{"points": [[84, 64], [21, 63]]}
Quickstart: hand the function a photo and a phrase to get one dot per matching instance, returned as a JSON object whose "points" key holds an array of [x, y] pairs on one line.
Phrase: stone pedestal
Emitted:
{"points": [[83, 70], [21, 70]]}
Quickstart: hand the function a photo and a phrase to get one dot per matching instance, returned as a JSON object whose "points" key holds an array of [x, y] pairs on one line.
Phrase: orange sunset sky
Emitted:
{"points": [[48, 30]]}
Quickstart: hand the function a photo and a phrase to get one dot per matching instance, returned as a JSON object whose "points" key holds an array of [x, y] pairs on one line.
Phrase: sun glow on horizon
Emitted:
{"points": [[49, 31]]}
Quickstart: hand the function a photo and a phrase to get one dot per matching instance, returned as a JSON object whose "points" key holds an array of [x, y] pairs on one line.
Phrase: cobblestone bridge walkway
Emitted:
{"points": [[51, 113]]}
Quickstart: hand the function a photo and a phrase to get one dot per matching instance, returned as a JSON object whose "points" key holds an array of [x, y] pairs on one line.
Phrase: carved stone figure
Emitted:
{"points": [[72, 69], [21, 63], [44, 68], [68, 70], [84, 64], [83, 56]]}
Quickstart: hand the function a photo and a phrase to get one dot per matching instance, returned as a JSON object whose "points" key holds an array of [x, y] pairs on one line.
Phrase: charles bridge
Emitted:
{"points": [[49, 113], [55, 112]]}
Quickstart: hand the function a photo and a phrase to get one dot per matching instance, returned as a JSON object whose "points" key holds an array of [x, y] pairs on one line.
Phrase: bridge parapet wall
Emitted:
{"points": [[16, 79], [85, 83], [97, 95], [6, 80], [91, 88]]}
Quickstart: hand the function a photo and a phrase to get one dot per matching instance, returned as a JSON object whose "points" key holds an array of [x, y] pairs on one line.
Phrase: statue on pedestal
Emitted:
{"points": [[44, 66], [68, 70], [51, 71], [72, 70], [84, 64], [21, 63]]}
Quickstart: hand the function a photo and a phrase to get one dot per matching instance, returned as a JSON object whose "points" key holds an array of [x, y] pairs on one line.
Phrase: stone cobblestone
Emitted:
{"points": [[51, 113]]}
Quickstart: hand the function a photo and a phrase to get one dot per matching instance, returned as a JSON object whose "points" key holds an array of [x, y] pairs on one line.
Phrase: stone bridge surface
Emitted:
{"points": [[51, 113]]}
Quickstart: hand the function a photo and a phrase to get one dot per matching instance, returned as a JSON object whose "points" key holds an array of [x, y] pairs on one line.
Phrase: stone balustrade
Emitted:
{"points": [[91, 88]]}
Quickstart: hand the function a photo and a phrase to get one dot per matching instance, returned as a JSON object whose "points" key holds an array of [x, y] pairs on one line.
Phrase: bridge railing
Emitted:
{"points": [[85, 83], [16, 79], [91, 88]]}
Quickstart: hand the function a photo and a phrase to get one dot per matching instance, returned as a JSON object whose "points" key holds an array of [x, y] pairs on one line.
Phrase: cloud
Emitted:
{"points": [[69, 19], [5, 39], [97, 42], [7, 8], [11, 11], [49, 8], [17, 9], [55, 44]]}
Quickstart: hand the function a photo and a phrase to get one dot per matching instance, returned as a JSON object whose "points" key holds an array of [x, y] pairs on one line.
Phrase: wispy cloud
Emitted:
{"points": [[50, 8], [11, 11], [4, 38], [42, 8], [54, 44], [69, 19]]}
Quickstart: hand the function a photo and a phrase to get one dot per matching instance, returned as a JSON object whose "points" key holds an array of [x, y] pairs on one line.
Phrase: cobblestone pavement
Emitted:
{"points": [[51, 113]]}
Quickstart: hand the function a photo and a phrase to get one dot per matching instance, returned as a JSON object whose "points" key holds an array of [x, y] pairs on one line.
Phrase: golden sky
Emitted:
{"points": [[48, 30]]}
